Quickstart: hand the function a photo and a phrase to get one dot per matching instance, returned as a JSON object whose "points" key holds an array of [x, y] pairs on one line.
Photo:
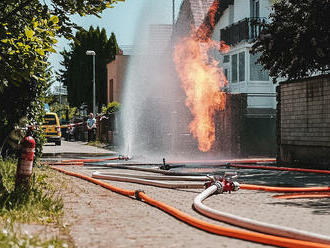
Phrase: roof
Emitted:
{"points": [[202, 14], [199, 10]]}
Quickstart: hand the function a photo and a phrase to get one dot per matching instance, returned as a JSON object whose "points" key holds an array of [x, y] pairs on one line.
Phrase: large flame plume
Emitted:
{"points": [[202, 81]]}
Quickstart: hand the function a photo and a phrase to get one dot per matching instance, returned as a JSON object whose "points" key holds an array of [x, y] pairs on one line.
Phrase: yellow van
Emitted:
{"points": [[52, 128]]}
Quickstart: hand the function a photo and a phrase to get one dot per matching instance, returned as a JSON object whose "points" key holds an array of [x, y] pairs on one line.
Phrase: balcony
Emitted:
{"points": [[247, 29]]}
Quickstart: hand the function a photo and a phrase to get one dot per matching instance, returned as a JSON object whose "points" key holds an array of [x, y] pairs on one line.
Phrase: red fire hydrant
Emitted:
{"points": [[25, 162]]}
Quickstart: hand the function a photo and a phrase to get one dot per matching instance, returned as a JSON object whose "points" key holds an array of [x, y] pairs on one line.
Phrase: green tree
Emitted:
{"points": [[28, 31], [77, 74], [295, 43], [111, 108]]}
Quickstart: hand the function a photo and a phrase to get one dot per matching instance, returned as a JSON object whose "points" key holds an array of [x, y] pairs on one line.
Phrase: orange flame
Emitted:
{"points": [[202, 81]]}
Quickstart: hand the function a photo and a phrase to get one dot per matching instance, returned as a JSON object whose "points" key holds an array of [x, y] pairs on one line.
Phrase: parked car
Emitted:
{"points": [[52, 128]]}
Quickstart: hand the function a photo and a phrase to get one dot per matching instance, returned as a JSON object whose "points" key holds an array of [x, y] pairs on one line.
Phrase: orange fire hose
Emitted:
{"points": [[243, 161], [98, 182], [63, 163], [296, 196], [284, 189], [230, 232], [93, 160], [263, 167]]}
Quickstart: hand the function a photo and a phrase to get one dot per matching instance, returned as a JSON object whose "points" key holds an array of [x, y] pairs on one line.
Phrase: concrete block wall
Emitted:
{"points": [[304, 121]]}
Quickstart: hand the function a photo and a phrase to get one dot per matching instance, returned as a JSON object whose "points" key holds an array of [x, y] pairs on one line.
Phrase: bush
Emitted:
{"points": [[112, 107]]}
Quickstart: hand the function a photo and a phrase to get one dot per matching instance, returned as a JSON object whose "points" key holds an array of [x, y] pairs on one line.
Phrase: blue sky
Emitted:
{"points": [[123, 20]]}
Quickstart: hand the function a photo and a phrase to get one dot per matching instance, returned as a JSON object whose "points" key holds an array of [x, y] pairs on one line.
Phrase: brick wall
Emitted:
{"points": [[304, 121]]}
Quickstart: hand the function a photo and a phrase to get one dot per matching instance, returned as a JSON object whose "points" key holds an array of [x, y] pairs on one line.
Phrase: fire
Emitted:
{"points": [[202, 81]]}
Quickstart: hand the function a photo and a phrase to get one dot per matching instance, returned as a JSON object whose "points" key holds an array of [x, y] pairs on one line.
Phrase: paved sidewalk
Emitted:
{"points": [[98, 217], [76, 148]]}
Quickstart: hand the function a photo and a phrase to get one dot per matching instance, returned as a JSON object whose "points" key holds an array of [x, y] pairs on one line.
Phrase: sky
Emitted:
{"points": [[123, 20]]}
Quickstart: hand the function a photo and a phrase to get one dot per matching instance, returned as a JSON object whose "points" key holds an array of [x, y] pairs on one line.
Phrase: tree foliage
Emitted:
{"points": [[77, 74], [28, 32], [63, 110], [111, 108], [295, 43]]}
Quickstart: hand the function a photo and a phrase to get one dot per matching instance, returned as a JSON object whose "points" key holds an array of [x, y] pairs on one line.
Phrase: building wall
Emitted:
{"points": [[265, 8], [249, 86], [116, 74], [229, 127], [241, 9], [304, 121]]}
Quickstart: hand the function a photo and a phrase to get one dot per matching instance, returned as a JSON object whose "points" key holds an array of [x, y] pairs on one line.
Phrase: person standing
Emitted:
{"points": [[91, 127]]}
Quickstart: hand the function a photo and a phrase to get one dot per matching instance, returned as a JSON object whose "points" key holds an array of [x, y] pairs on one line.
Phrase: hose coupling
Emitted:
{"points": [[137, 192], [219, 187], [235, 186]]}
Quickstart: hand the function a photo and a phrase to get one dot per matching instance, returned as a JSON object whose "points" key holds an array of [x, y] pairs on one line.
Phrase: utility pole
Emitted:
{"points": [[173, 13], [92, 53]]}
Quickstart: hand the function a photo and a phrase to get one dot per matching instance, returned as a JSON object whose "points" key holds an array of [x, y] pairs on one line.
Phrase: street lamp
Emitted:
{"points": [[92, 53]]}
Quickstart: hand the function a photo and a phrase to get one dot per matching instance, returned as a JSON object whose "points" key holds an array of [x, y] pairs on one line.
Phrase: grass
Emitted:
{"points": [[96, 143], [9, 239], [40, 204]]}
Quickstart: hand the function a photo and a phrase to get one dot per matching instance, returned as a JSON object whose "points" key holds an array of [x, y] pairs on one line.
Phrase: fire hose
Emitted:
{"points": [[148, 182], [229, 232], [81, 162], [242, 186], [222, 216], [152, 170], [97, 174], [303, 195], [253, 224]]}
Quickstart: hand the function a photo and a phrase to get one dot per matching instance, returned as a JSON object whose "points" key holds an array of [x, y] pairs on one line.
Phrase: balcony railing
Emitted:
{"points": [[247, 29]]}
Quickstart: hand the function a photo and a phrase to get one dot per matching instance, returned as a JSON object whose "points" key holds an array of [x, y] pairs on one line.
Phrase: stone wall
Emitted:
{"points": [[304, 121]]}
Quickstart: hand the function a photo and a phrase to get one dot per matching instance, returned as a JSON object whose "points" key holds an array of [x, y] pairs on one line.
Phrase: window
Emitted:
{"points": [[255, 8], [49, 120], [110, 90], [257, 72], [238, 67], [226, 59], [241, 69], [234, 68], [226, 72]]}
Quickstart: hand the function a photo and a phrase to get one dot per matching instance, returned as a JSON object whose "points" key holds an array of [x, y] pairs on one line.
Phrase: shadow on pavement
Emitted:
{"points": [[319, 206]]}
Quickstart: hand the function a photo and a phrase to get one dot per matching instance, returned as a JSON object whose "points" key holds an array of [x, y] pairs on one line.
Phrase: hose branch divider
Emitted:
{"points": [[200, 224], [242, 186], [253, 224]]}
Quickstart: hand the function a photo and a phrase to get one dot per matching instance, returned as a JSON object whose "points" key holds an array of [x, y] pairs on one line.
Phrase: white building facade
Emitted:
{"points": [[238, 27]]}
